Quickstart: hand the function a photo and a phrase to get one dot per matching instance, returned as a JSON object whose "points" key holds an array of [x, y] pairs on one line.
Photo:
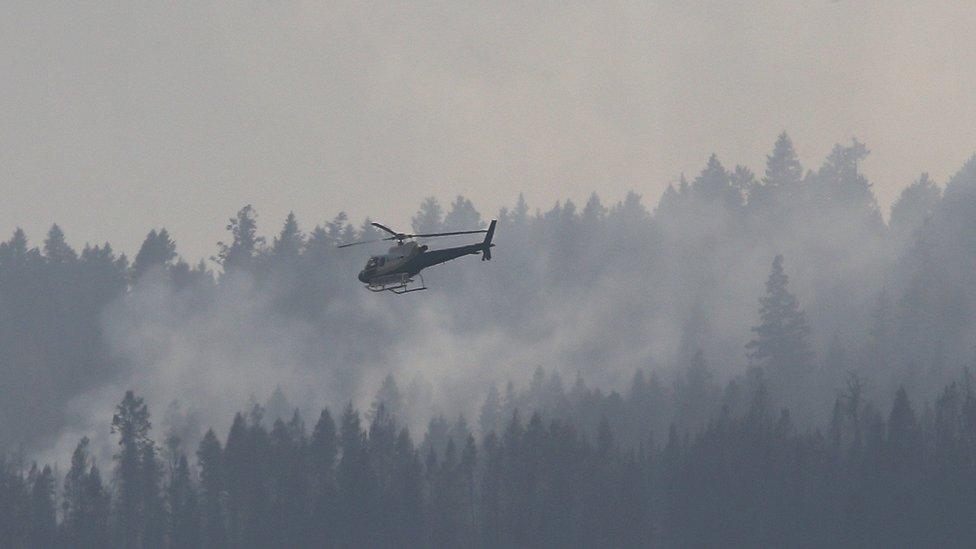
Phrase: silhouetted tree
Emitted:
{"points": [[212, 493], [240, 253], [156, 252], [780, 343], [429, 219]]}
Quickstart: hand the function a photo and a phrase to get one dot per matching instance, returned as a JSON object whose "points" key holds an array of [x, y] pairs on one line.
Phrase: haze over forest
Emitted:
{"points": [[787, 286], [713, 316], [594, 290]]}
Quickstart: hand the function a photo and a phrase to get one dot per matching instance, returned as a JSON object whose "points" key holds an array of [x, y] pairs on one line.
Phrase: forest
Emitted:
{"points": [[756, 359]]}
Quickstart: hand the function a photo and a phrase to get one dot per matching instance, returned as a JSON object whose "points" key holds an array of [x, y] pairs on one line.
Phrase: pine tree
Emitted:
{"points": [[14, 253], [256, 458], [381, 451], [491, 491], [368, 232], [237, 468], [241, 251], [714, 186], [288, 245], [445, 498], [73, 506], [184, 523], [903, 435], [153, 505], [436, 437], [356, 484], [323, 449], [781, 191], [389, 397], [520, 214], [85, 504], [462, 216], [490, 412], [212, 494], [429, 218], [156, 252], [56, 248], [667, 206], [99, 504], [466, 470], [43, 525], [780, 343], [278, 406], [131, 423], [840, 186], [409, 511], [916, 204], [289, 503], [593, 212]]}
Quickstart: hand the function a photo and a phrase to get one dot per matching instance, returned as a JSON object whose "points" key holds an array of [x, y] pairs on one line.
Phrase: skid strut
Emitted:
{"points": [[399, 287]]}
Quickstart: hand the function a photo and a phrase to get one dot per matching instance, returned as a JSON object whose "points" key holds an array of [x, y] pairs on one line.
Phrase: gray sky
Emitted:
{"points": [[118, 117]]}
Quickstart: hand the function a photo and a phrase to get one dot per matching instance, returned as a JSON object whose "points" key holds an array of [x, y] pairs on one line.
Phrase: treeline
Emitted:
{"points": [[605, 288], [750, 477]]}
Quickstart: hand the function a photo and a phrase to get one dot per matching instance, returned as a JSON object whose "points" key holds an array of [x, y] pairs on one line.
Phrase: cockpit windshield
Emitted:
{"points": [[373, 261]]}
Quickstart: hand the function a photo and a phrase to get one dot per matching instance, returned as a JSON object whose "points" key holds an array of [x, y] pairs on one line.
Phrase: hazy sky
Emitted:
{"points": [[119, 117]]}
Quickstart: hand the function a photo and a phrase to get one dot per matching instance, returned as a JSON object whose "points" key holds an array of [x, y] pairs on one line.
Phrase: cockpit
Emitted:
{"points": [[374, 263], [371, 265]]}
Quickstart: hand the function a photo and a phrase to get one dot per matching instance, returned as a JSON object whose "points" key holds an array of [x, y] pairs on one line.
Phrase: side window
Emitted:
{"points": [[382, 261]]}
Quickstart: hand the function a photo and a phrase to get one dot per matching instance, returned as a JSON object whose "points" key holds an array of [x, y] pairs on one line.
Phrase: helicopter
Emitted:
{"points": [[395, 271]]}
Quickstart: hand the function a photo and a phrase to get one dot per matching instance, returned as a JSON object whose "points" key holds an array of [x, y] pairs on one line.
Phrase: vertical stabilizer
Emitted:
{"points": [[486, 246]]}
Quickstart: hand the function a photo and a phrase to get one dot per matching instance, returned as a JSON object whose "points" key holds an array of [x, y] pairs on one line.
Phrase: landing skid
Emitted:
{"points": [[399, 287]]}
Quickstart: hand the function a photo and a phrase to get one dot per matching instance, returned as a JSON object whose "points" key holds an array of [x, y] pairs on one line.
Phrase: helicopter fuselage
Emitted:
{"points": [[409, 259], [395, 270]]}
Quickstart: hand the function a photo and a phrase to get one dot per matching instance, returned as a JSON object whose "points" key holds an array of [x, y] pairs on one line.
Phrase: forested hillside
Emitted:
{"points": [[562, 477], [801, 374]]}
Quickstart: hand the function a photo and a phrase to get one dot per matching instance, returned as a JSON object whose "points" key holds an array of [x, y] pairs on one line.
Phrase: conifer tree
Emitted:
{"points": [[245, 244], [288, 485], [212, 494], [356, 484], [903, 436], [288, 245], [466, 469], [131, 423], [714, 186], [43, 525], [490, 412], [780, 344], [429, 218], [916, 204], [156, 252], [781, 182], [323, 449], [184, 517], [389, 397], [153, 506], [237, 465], [408, 514], [520, 214], [56, 248], [462, 216], [85, 502]]}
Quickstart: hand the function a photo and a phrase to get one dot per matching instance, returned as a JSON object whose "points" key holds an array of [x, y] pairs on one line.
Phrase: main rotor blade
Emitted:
{"points": [[446, 234], [364, 242], [385, 228]]}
